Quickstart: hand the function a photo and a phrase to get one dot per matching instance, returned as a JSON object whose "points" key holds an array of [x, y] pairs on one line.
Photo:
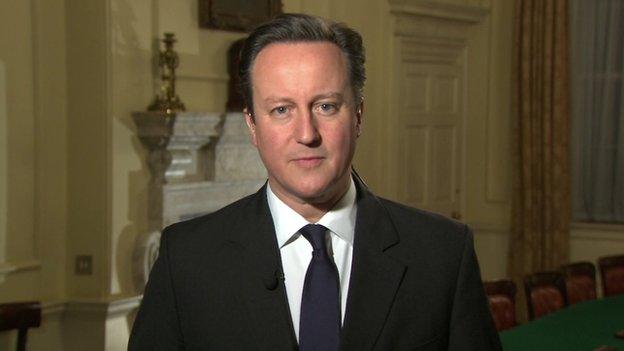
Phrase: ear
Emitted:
{"points": [[358, 115], [251, 124]]}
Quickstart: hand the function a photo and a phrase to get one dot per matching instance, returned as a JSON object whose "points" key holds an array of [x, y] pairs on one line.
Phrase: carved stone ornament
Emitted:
{"points": [[199, 162], [144, 256]]}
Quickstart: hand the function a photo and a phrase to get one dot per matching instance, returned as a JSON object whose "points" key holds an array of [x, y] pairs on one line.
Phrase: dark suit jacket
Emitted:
{"points": [[216, 285]]}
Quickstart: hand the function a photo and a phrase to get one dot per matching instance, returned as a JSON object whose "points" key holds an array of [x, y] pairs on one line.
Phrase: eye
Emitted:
{"points": [[327, 108], [280, 111]]}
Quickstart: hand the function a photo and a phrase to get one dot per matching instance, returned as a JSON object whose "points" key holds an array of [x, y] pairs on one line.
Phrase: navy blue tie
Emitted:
{"points": [[319, 327]]}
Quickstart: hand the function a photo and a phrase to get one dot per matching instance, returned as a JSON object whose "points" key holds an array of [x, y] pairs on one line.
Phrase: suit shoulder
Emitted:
{"points": [[427, 237], [407, 216], [211, 224]]}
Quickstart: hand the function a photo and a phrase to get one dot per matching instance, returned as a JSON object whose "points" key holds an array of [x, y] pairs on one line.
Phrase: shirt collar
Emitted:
{"points": [[340, 219]]}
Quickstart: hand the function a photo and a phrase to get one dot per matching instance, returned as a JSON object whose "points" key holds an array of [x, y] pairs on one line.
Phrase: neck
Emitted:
{"points": [[313, 209]]}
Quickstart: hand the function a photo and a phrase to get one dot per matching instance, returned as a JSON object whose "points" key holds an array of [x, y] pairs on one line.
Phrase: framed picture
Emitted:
{"points": [[237, 15]]}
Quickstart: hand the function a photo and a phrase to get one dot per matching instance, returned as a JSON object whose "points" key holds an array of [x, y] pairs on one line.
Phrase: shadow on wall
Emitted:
{"points": [[132, 235], [8, 340]]}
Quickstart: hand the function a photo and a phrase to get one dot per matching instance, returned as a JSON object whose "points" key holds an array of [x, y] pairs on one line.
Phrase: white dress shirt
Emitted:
{"points": [[296, 251]]}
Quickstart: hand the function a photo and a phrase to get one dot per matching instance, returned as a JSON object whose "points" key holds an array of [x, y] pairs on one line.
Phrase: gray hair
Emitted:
{"points": [[292, 28]]}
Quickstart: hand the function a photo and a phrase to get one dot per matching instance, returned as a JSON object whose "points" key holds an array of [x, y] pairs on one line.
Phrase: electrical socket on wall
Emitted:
{"points": [[84, 265]]}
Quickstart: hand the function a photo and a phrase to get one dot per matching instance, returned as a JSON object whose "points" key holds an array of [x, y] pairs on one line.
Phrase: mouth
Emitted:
{"points": [[308, 162]]}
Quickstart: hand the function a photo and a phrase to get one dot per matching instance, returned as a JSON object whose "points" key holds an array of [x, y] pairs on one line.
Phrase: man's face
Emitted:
{"points": [[305, 121]]}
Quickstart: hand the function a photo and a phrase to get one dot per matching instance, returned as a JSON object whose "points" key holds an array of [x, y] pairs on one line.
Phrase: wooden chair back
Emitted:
{"points": [[580, 278], [545, 293], [20, 316], [612, 274], [502, 298]]}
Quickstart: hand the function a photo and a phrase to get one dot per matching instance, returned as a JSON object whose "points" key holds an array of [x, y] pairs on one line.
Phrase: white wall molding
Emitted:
{"points": [[50, 308], [77, 325], [590, 241], [499, 112], [18, 266], [453, 12], [606, 227], [597, 231], [98, 324], [438, 50], [110, 307]]}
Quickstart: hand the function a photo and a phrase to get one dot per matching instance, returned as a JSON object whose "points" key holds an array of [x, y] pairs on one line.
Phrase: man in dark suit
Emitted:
{"points": [[313, 260]]}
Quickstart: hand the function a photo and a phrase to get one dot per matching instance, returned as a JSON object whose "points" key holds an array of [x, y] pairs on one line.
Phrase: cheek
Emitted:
{"points": [[269, 141], [342, 141]]}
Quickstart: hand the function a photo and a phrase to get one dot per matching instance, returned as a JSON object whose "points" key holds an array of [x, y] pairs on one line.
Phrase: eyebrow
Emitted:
{"points": [[275, 99], [328, 95]]}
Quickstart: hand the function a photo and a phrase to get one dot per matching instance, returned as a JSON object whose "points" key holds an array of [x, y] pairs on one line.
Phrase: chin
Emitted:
{"points": [[314, 192], [311, 194]]}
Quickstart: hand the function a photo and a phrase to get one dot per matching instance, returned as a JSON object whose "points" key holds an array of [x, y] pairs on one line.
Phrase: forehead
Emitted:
{"points": [[296, 48], [321, 62]]}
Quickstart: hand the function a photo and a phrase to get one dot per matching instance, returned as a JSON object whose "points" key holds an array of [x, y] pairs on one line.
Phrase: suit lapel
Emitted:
{"points": [[254, 246], [375, 276]]}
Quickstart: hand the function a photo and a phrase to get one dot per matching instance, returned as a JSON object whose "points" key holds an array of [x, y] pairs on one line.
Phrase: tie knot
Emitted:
{"points": [[315, 233]]}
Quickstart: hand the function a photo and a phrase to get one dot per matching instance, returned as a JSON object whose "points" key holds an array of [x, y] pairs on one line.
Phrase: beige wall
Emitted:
{"points": [[35, 149], [73, 180], [18, 84], [488, 164], [3, 165], [33, 157]]}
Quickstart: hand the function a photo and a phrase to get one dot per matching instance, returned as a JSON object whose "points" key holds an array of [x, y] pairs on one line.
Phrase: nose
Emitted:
{"points": [[307, 132]]}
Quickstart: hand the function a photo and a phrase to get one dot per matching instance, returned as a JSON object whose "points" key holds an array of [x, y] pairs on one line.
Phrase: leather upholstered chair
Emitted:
{"points": [[502, 298], [580, 279], [20, 316], [545, 293], [612, 274]]}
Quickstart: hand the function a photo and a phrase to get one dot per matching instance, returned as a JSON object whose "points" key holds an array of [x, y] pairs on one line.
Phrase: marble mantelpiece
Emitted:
{"points": [[199, 163], [237, 172]]}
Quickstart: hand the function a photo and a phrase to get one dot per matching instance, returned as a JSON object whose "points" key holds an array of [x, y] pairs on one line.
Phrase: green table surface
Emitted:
{"points": [[583, 326]]}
